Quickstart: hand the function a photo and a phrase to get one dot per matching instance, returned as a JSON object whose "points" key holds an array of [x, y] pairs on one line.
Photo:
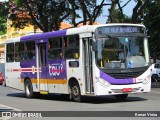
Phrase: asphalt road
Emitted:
{"points": [[14, 100]]}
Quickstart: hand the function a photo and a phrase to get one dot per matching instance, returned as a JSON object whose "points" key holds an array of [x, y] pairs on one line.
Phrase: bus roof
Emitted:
{"points": [[70, 31], [11, 40], [16, 39]]}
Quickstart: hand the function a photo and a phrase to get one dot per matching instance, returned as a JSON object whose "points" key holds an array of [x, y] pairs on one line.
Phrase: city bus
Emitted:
{"points": [[91, 60]]}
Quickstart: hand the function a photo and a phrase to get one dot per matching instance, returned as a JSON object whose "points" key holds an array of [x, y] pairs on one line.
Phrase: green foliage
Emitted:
{"points": [[48, 14], [151, 21], [89, 11], [3, 17], [44, 14]]}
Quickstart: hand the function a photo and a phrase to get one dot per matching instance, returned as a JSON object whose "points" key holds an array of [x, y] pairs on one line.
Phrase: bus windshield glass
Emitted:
{"points": [[121, 47]]}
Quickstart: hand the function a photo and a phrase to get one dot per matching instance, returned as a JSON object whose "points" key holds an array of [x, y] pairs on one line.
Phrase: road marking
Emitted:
{"points": [[4, 106], [6, 111]]}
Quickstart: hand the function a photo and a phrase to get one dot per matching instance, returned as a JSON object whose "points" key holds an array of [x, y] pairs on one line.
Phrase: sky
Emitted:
{"points": [[127, 10], [3, 0]]}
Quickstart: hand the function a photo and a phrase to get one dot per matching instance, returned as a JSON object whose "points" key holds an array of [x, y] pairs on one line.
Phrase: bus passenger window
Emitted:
{"points": [[29, 53], [19, 48], [55, 48], [10, 53], [10, 57], [17, 58], [72, 47]]}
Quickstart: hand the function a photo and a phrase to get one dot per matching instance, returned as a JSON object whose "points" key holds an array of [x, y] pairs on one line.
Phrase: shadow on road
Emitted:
{"points": [[155, 85], [20, 95], [88, 99]]}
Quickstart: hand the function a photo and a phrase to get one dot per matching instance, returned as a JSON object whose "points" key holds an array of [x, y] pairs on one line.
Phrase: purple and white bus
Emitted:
{"points": [[97, 60]]}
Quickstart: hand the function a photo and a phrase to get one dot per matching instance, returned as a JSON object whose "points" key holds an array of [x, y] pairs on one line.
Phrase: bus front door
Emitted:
{"points": [[88, 65], [42, 65]]}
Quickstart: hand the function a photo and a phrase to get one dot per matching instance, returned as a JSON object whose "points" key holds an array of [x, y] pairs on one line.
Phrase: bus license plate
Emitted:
{"points": [[127, 90]]}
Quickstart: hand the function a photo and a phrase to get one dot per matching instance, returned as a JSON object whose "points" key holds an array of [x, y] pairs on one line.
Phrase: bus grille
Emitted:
{"points": [[126, 75]]}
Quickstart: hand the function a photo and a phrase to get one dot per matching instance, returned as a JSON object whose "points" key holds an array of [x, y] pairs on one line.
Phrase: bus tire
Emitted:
{"points": [[154, 78], [75, 92], [28, 89], [121, 96]]}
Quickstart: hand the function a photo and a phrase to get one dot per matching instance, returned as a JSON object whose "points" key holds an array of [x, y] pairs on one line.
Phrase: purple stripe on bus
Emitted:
{"points": [[28, 64], [114, 81], [56, 69], [44, 35]]}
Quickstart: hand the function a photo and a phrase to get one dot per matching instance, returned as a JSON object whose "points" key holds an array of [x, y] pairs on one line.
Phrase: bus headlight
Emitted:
{"points": [[103, 82], [146, 80]]}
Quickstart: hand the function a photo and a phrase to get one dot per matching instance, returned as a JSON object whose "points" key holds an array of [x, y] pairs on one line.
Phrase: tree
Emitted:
{"points": [[90, 11], [48, 14], [3, 17], [44, 14], [151, 21], [116, 14]]}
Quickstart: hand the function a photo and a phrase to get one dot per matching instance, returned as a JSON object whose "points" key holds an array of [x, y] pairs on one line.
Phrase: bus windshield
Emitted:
{"points": [[121, 48]]}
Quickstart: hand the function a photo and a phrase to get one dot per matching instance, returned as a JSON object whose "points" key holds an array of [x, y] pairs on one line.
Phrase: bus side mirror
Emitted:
{"points": [[94, 46]]}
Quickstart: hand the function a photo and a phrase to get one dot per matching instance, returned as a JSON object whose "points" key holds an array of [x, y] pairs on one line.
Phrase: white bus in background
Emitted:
{"points": [[110, 59]]}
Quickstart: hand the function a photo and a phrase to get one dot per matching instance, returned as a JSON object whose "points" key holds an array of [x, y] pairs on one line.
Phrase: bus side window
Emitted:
{"points": [[72, 47], [19, 48], [29, 51], [10, 58], [55, 46], [10, 52], [17, 58]]}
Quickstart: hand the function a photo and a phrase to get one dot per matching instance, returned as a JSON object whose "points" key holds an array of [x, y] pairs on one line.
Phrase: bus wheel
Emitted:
{"points": [[121, 96], [28, 89], [154, 78], [75, 92]]}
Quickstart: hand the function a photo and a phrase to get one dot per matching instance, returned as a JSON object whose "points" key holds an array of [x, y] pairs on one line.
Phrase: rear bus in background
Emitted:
{"points": [[110, 59]]}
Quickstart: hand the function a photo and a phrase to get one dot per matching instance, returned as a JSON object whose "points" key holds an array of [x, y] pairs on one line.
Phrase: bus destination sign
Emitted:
{"points": [[120, 29]]}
